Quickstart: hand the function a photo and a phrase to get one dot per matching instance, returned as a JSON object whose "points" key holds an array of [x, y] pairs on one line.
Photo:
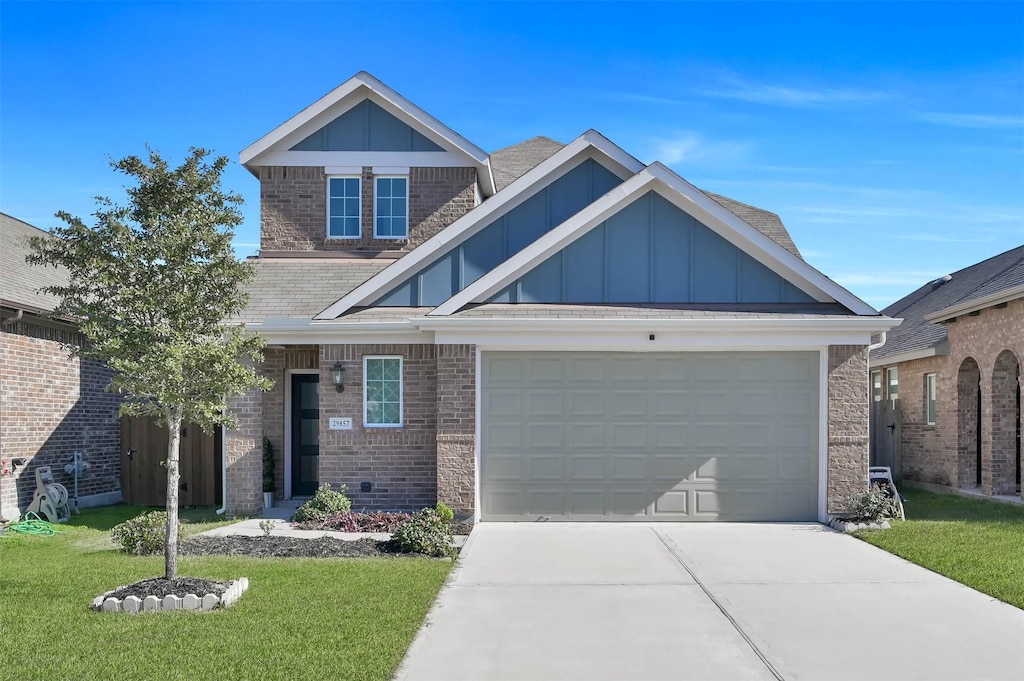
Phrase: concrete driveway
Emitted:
{"points": [[726, 601]]}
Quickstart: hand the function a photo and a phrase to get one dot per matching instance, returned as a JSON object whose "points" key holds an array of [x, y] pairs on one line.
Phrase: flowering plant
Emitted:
{"points": [[4, 470]]}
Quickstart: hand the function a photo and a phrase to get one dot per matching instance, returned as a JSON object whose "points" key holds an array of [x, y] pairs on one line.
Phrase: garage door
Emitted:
{"points": [[643, 436]]}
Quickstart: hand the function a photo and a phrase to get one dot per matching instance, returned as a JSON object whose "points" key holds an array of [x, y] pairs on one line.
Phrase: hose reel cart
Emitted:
{"points": [[50, 499]]}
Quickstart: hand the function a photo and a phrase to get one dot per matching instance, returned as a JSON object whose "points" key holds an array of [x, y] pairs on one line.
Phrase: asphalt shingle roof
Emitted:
{"points": [[302, 287], [19, 281], [512, 162], [988, 277]]}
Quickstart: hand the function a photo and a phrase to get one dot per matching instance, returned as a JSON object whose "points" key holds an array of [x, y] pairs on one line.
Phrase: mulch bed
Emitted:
{"points": [[181, 587], [287, 547]]}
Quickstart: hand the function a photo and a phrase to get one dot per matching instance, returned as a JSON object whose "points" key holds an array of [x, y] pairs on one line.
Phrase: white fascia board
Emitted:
{"points": [[589, 145], [733, 325], [344, 97], [935, 351], [359, 159], [976, 304], [689, 199]]}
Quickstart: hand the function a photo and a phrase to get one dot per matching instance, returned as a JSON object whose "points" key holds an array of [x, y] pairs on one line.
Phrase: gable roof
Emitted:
{"points": [[19, 281], [512, 162], [979, 285], [659, 178], [357, 89]]}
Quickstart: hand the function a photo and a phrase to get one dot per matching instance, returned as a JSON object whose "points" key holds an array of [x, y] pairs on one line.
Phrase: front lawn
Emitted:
{"points": [[301, 618], [978, 543]]}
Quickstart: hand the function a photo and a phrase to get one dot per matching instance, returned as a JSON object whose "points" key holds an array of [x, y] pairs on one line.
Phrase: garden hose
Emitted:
{"points": [[32, 524]]}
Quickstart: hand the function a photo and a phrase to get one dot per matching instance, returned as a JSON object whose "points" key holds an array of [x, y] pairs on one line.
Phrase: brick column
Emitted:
{"points": [[244, 454], [847, 423], [456, 426]]}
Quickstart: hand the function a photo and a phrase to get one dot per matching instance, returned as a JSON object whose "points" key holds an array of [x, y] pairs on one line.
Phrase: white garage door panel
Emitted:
{"points": [[660, 436]]}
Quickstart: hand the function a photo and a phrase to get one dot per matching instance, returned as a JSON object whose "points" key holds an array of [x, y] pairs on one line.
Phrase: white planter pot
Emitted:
{"points": [[268, 500]]}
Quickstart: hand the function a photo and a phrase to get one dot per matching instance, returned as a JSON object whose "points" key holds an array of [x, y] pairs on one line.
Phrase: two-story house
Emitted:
{"points": [[547, 331]]}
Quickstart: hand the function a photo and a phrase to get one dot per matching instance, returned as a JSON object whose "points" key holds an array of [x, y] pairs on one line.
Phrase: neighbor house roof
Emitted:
{"points": [[301, 287], [19, 281], [970, 288]]}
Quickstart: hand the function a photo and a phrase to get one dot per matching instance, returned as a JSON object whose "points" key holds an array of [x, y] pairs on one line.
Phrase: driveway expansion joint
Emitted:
{"points": [[677, 555]]}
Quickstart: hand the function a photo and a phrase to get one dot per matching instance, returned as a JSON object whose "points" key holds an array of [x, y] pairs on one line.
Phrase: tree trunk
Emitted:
{"points": [[173, 440]]}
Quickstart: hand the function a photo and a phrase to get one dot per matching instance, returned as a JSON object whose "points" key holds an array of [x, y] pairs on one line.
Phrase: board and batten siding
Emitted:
{"points": [[503, 238], [366, 127], [650, 251]]}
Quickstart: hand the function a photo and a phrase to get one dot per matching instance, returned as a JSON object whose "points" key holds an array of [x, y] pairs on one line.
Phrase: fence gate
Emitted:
{"points": [[143, 476], [886, 446]]}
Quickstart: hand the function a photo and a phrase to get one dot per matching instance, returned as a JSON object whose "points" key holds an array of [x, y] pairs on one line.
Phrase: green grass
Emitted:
{"points": [[301, 618], [978, 543]]}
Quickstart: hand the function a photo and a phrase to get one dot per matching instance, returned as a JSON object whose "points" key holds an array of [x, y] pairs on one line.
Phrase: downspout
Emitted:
{"points": [[224, 470], [15, 319], [879, 344]]}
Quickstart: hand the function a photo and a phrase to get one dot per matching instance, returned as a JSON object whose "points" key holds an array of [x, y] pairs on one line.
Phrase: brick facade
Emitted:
{"points": [[985, 348], [293, 208], [847, 423], [50, 407], [243, 446], [432, 456]]}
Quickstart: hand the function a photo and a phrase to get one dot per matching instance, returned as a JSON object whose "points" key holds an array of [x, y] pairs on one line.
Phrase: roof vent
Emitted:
{"points": [[941, 280]]}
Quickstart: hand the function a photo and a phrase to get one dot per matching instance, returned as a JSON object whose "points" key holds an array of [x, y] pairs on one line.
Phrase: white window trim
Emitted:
{"points": [[877, 373], [327, 227], [401, 392], [930, 383], [887, 394], [407, 211]]}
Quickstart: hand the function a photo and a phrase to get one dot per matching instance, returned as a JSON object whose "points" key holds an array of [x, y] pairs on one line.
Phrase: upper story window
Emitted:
{"points": [[343, 208], [391, 208], [876, 385], [892, 384]]}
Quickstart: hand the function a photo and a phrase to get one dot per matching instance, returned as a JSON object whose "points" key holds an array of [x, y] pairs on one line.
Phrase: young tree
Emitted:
{"points": [[151, 284]]}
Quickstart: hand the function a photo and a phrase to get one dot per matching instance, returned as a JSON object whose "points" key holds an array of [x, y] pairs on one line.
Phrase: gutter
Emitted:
{"points": [[1004, 296]]}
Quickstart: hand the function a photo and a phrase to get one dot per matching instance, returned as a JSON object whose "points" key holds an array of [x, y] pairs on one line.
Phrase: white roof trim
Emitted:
{"points": [[688, 198], [941, 348], [471, 223], [976, 304], [380, 94]]}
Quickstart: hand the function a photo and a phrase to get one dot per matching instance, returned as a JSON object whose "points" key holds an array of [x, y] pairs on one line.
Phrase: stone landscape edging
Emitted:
{"points": [[135, 605], [841, 525]]}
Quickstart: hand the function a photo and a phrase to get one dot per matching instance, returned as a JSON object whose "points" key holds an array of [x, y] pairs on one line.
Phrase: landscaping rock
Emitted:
{"points": [[180, 587]]}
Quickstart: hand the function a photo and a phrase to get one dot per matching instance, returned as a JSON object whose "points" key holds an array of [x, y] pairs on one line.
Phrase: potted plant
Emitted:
{"points": [[268, 474]]}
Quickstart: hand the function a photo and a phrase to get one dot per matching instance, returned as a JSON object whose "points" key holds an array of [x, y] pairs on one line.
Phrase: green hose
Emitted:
{"points": [[34, 525]]}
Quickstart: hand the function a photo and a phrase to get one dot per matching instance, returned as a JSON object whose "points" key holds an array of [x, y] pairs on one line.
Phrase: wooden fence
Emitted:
{"points": [[887, 435], [143, 452]]}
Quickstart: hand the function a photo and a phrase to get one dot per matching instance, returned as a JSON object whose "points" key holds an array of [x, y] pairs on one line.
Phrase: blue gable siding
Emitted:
{"points": [[366, 127], [651, 252], [503, 238]]}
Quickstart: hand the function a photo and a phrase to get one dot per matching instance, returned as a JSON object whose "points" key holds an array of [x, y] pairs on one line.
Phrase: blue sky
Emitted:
{"points": [[889, 137]]}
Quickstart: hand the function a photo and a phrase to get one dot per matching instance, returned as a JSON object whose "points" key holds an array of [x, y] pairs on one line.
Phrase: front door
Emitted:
{"points": [[305, 434]]}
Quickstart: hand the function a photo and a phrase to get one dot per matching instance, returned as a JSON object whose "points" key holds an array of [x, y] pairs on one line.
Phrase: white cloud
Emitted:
{"points": [[781, 95], [980, 121], [688, 147]]}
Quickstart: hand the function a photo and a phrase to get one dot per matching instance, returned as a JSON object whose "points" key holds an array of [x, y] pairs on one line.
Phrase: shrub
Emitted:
{"points": [[874, 503], [144, 534], [425, 533], [325, 502], [445, 512], [349, 521], [268, 466]]}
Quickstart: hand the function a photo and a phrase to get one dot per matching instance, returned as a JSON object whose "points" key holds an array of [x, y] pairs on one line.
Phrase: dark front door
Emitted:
{"points": [[305, 434]]}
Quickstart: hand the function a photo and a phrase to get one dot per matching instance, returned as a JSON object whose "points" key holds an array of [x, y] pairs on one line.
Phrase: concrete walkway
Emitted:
{"points": [[730, 601]]}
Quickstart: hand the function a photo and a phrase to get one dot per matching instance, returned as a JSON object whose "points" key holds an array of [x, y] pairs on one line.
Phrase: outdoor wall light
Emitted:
{"points": [[338, 374]]}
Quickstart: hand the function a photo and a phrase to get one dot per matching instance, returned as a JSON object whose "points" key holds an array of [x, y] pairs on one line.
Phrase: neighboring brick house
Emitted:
{"points": [[548, 331], [954, 364], [50, 405]]}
